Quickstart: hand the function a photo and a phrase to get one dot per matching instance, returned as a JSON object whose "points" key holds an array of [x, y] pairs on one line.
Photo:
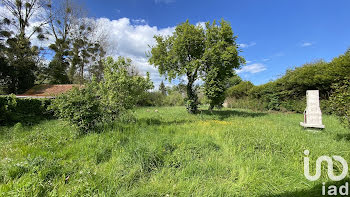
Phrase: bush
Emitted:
{"points": [[297, 106], [80, 107], [24, 110], [105, 101], [152, 99], [174, 98], [340, 101], [241, 90], [121, 89], [246, 103]]}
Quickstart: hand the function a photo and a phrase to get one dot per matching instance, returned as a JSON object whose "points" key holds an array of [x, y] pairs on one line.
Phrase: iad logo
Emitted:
{"points": [[330, 167], [332, 189]]}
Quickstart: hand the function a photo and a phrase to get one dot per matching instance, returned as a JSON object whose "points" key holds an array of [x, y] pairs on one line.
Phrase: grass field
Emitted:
{"points": [[169, 153]]}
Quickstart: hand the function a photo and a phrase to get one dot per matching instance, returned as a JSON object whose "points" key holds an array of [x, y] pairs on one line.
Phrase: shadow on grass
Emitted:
{"points": [[340, 137], [231, 113], [156, 121], [314, 191], [27, 120]]}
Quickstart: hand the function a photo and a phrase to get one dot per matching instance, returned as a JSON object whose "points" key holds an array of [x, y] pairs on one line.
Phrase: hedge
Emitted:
{"points": [[24, 110]]}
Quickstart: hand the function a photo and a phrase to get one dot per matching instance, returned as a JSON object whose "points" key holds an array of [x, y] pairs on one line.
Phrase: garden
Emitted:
{"points": [[197, 128]]}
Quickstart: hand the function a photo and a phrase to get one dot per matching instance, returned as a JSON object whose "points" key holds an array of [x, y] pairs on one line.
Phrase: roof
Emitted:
{"points": [[47, 91]]}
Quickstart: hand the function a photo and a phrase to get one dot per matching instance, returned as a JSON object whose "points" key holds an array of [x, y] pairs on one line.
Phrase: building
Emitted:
{"points": [[47, 91]]}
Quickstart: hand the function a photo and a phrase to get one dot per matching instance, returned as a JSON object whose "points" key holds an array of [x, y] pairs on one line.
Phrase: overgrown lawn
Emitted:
{"points": [[170, 153]]}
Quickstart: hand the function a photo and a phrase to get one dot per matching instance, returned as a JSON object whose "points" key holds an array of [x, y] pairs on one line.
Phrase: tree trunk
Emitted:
{"points": [[211, 107], [192, 100]]}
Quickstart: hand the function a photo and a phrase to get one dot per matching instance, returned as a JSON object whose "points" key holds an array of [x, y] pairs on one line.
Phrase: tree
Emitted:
{"points": [[233, 80], [80, 44], [221, 58], [22, 61], [21, 56], [22, 12], [162, 88], [194, 52], [87, 51], [63, 16], [5, 70], [181, 54]]}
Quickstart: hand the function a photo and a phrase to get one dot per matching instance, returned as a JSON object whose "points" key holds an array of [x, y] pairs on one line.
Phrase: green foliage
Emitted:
{"points": [[288, 92], [19, 72], [24, 110], [80, 107], [181, 54], [162, 88], [233, 80], [240, 90], [105, 101], [152, 99], [195, 52], [246, 103], [297, 106], [57, 71], [220, 59], [340, 101], [121, 90], [57, 68], [174, 98]]}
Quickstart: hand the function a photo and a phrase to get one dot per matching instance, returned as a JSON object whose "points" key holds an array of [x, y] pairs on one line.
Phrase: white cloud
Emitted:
{"points": [[139, 21], [132, 39], [252, 68], [202, 24], [243, 45], [306, 44], [266, 59]]}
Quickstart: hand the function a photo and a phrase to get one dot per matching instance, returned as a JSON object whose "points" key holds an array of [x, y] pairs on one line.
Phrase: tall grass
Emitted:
{"points": [[169, 153]]}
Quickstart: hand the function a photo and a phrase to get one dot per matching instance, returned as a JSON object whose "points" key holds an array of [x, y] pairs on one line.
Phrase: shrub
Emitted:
{"points": [[340, 101], [241, 90], [80, 107], [121, 89], [152, 99], [105, 101], [174, 98], [246, 103], [297, 106]]}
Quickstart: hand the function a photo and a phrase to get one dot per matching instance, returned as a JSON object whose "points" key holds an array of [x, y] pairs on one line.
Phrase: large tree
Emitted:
{"points": [[181, 55], [221, 58], [63, 16], [22, 58], [79, 43], [194, 52], [87, 51]]}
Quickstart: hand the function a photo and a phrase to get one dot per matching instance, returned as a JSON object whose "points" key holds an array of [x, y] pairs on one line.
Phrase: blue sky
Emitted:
{"points": [[274, 34]]}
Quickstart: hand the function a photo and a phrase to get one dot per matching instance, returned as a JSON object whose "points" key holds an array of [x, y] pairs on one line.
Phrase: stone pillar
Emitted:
{"points": [[312, 113]]}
